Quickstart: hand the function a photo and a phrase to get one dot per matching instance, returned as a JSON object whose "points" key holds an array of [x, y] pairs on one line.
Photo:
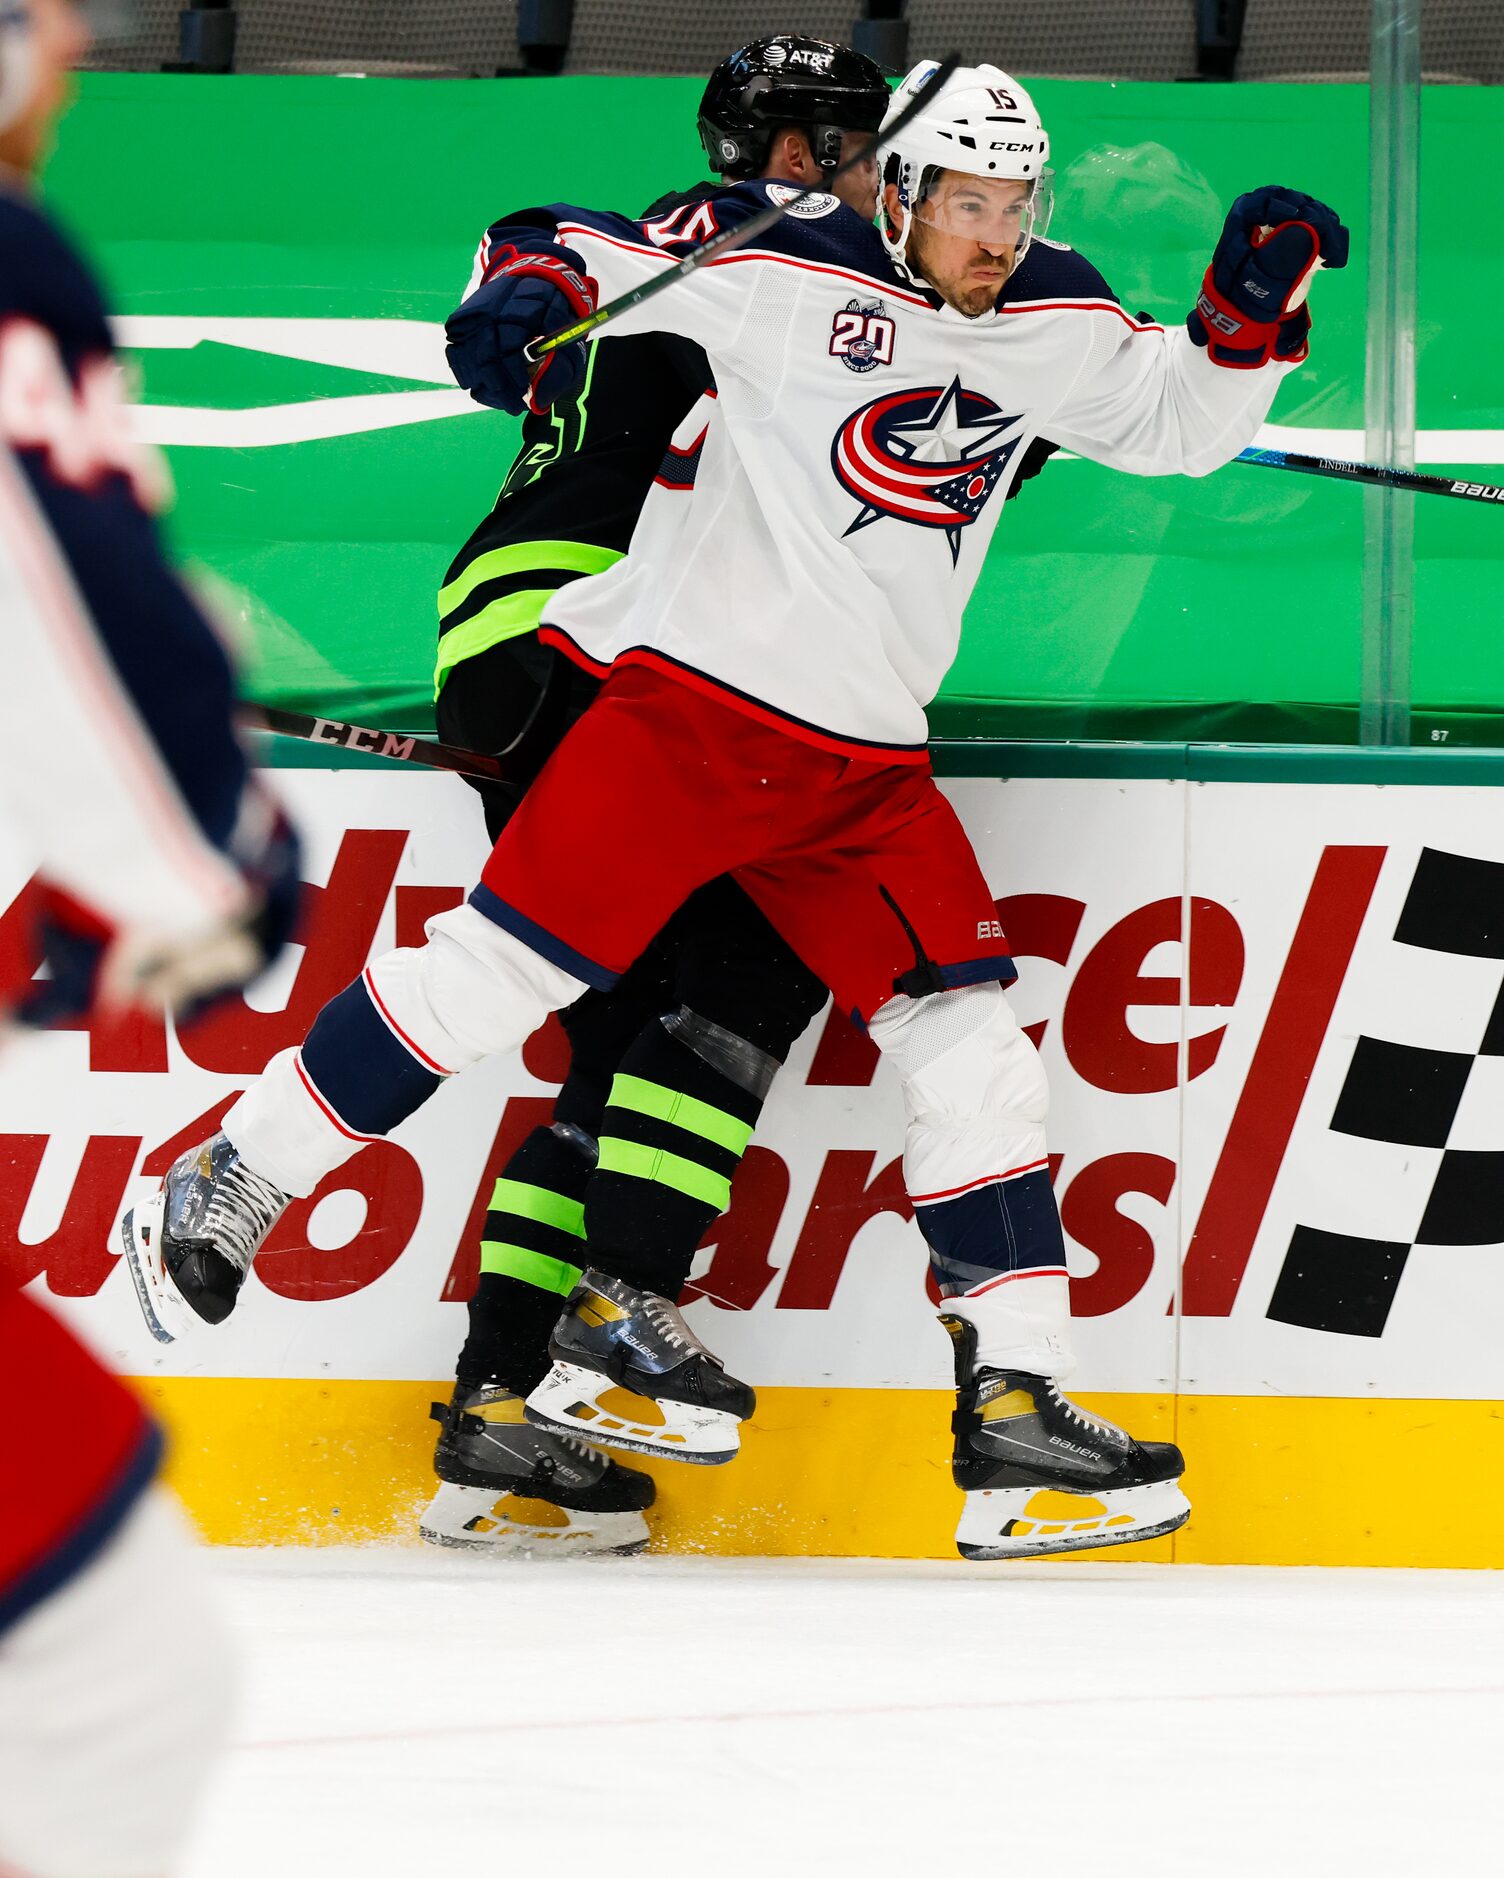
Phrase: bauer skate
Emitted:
{"points": [[1042, 1476], [190, 1246], [628, 1372], [526, 1492]]}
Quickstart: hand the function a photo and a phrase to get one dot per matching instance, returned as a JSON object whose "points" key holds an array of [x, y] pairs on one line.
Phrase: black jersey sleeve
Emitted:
{"points": [[709, 306]]}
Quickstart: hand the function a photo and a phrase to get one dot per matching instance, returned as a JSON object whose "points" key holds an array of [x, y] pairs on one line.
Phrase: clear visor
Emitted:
{"points": [[998, 212]]}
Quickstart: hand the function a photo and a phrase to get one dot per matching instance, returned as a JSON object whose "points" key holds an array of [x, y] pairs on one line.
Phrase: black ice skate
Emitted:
{"points": [[519, 1490], [1040, 1475], [630, 1373], [509, 1488], [190, 1246]]}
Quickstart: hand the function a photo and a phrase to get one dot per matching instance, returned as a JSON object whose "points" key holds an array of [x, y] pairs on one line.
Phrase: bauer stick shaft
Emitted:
{"points": [[747, 231], [1379, 474], [396, 744]]}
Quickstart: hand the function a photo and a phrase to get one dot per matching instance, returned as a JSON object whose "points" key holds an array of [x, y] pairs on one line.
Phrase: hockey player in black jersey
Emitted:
{"points": [[671, 1068], [712, 1008], [703, 1020]]}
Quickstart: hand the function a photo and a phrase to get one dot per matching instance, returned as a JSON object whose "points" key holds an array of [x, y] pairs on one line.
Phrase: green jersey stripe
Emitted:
{"points": [[522, 557], [507, 618]]}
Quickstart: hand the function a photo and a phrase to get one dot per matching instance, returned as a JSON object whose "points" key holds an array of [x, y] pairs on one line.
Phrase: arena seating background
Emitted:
{"points": [[1462, 40]]}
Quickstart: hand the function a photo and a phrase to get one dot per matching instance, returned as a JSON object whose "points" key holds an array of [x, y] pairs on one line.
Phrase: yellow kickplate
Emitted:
{"points": [[500, 1414], [1275, 1480]]}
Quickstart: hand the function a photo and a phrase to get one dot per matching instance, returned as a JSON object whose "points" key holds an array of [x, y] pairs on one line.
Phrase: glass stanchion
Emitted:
{"points": [[1389, 397]]}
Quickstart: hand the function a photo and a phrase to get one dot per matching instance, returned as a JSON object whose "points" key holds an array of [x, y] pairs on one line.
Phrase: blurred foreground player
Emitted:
{"points": [[160, 875]]}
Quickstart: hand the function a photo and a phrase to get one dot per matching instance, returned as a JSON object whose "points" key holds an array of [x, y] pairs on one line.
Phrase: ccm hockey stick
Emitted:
{"points": [[1376, 473], [396, 744], [747, 231]]}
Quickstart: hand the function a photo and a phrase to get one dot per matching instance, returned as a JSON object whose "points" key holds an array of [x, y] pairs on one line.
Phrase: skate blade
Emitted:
{"points": [[568, 1401], [1031, 1522], [509, 1525], [168, 1313]]}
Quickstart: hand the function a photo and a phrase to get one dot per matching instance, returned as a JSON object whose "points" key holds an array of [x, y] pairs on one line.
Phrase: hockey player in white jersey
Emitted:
{"points": [[792, 600]]}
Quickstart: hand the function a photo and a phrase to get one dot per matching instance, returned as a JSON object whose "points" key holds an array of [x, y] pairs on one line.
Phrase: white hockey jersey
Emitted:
{"points": [[810, 553]]}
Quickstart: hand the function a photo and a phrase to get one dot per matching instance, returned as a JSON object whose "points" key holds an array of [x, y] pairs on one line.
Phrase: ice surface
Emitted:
{"points": [[410, 1714]]}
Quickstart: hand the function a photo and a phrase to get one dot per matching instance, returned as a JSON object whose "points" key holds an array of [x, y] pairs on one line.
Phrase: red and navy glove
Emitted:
{"points": [[94, 966], [1251, 308], [530, 288]]}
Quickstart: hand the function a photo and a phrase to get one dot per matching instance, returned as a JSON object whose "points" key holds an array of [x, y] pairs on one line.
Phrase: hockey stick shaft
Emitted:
{"points": [[396, 744], [747, 231], [1378, 474]]}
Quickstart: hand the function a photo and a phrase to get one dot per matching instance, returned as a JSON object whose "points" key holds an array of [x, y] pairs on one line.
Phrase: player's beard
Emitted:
{"points": [[969, 297], [980, 299]]}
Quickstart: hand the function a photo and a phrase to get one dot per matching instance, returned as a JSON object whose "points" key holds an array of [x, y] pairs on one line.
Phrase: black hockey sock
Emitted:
{"points": [[681, 1111], [529, 1260]]}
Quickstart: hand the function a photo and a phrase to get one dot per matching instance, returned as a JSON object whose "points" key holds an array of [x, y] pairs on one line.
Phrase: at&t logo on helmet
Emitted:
{"points": [[931, 457]]}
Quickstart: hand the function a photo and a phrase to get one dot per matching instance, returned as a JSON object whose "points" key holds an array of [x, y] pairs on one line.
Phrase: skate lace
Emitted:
{"points": [[241, 1211], [665, 1319], [1082, 1420], [581, 1449]]}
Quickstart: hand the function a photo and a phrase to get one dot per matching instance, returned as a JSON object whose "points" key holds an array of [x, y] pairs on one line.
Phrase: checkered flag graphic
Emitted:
{"points": [[1409, 1095]]}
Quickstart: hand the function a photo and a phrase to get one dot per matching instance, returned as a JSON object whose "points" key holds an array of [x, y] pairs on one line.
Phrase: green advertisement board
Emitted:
{"points": [[271, 242]]}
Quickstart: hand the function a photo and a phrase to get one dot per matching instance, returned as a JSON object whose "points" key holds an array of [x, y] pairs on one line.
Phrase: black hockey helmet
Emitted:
{"points": [[821, 88]]}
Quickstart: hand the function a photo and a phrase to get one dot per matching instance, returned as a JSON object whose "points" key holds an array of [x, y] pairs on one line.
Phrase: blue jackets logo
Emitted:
{"points": [[932, 457]]}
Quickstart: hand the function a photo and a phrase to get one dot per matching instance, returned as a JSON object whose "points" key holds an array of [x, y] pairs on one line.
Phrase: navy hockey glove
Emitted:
{"points": [[526, 293], [1251, 308]]}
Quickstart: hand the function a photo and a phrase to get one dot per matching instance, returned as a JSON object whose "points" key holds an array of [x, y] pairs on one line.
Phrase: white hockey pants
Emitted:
{"points": [[976, 1169]]}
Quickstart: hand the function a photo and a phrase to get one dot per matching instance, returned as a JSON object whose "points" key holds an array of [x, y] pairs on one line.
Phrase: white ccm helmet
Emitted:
{"points": [[981, 122]]}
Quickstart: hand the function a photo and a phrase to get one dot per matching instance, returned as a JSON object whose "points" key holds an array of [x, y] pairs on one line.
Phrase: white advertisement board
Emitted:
{"points": [[1279, 1150]]}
